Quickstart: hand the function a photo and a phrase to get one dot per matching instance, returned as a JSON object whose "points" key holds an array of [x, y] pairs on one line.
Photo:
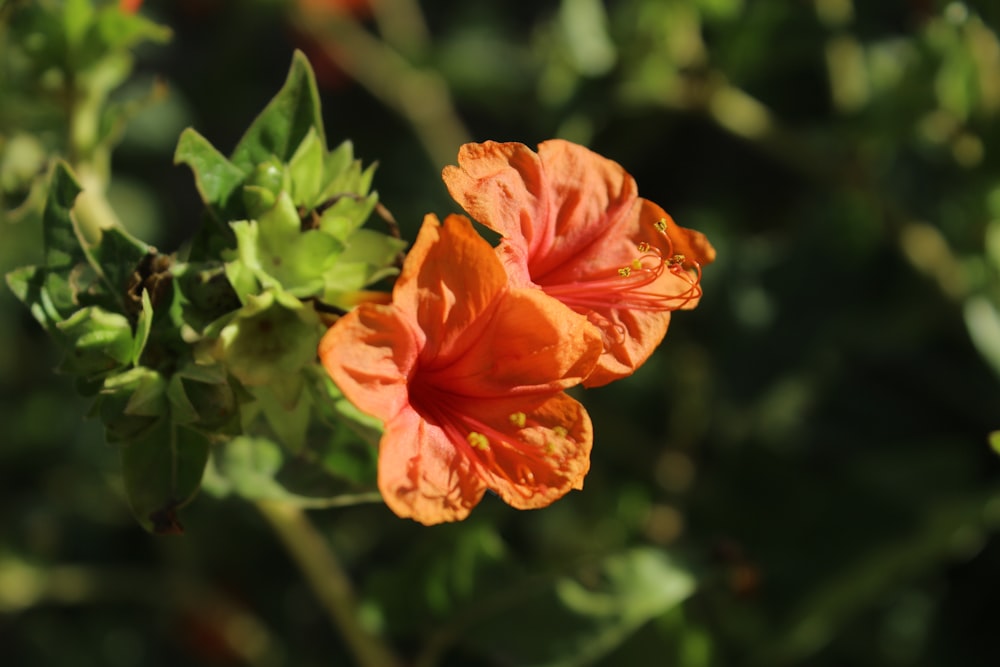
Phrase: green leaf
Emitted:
{"points": [[995, 441], [285, 121], [571, 623], [28, 285], [257, 469], [215, 176], [306, 169], [288, 410], [162, 472], [98, 341], [368, 257], [346, 215], [130, 403], [63, 250], [280, 255], [116, 256]]}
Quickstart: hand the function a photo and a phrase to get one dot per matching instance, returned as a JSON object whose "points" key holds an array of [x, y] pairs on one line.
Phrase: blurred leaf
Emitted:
{"points": [[256, 469], [162, 472], [575, 621]]}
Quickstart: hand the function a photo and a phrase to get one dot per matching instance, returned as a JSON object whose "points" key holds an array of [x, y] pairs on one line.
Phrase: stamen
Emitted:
{"points": [[478, 440], [518, 419], [636, 286]]}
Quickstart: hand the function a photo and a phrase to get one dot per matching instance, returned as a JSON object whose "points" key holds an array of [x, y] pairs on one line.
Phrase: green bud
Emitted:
{"points": [[263, 187]]}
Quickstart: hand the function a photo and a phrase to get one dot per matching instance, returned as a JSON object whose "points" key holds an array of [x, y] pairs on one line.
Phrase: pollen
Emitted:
{"points": [[644, 247], [625, 271], [677, 259], [478, 440], [560, 431], [518, 419], [661, 224]]}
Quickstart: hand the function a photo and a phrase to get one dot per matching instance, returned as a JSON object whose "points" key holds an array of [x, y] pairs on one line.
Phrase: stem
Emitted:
{"points": [[328, 580]]}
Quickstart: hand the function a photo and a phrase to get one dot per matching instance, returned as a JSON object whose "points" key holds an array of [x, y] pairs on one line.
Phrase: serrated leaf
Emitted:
{"points": [[63, 250], [215, 176], [285, 121], [162, 473]]}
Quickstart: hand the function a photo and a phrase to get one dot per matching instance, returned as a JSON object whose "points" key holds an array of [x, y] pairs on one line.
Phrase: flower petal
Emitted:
{"points": [[423, 475], [533, 344], [449, 285], [551, 207], [370, 353], [532, 457]]}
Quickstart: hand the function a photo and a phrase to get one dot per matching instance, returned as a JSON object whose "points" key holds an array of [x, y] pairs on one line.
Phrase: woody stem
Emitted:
{"points": [[328, 580]]}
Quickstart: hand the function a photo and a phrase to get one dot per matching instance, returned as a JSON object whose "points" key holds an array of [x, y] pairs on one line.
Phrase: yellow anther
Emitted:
{"points": [[677, 259], [478, 440], [636, 264], [519, 419], [643, 247], [661, 224], [625, 271], [560, 431]]}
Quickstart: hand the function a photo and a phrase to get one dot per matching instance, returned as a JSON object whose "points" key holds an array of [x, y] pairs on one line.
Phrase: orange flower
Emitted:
{"points": [[467, 374], [574, 226], [129, 6]]}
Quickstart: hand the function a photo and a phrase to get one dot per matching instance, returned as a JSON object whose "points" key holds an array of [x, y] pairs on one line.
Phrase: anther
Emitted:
{"points": [[643, 247], [478, 440], [661, 224], [625, 271], [518, 419]]}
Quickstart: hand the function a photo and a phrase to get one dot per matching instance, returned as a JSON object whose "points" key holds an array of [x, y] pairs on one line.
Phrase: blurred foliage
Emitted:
{"points": [[802, 474]]}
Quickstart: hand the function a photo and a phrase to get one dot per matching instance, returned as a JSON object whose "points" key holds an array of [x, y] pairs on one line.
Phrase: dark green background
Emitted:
{"points": [[811, 442]]}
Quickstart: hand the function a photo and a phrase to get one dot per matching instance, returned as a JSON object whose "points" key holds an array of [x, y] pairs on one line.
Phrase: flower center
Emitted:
{"points": [[637, 285]]}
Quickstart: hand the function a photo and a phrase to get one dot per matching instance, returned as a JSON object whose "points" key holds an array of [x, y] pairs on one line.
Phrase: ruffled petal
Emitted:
{"points": [[552, 208], [533, 344], [450, 283], [370, 353], [423, 474]]}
